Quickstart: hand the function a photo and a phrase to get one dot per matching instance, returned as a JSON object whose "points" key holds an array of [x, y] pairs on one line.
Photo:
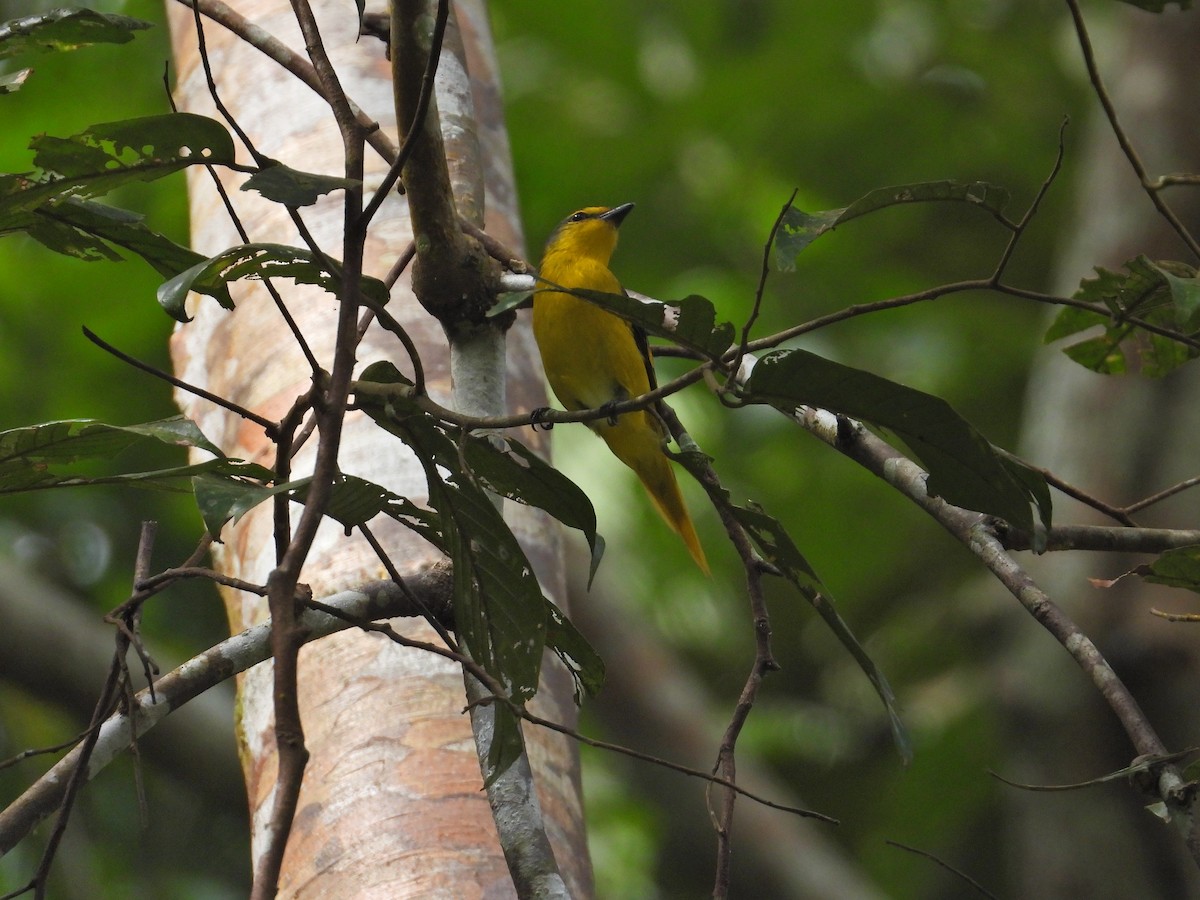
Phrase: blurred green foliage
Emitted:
{"points": [[706, 114]]}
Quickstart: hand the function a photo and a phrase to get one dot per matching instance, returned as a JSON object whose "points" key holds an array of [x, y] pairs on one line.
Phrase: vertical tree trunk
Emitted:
{"points": [[392, 804], [1121, 439]]}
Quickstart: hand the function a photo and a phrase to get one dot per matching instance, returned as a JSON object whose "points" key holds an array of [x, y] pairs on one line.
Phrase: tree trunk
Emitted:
{"points": [[1120, 439], [392, 804]]}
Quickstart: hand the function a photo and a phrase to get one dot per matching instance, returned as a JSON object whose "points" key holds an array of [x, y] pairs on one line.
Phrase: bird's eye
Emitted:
{"points": [[578, 217]]}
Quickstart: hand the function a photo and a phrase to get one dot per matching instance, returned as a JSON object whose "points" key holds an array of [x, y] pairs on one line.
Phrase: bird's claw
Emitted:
{"points": [[537, 419]]}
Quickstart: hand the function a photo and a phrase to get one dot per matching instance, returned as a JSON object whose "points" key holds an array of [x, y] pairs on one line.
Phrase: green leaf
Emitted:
{"points": [[500, 613], [509, 301], [690, 322], [508, 468], [582, 661], [1178, 568], [231, 493], [798, 229], [777, 548], [86, 220], [293, 188], [1164, 293], [963, 467], [104, 156], [29, 456], [65, 29], [255, 261]]}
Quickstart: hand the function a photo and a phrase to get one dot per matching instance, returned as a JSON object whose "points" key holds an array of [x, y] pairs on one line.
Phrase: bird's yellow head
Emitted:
{"points": [[589, 232]]}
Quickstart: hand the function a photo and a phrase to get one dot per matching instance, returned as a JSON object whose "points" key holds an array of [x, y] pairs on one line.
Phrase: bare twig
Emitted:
{"points": [[267, 425], [1131, 154]]}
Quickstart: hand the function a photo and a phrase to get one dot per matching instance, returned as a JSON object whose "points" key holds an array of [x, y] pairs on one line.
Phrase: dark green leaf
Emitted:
{"points": [[29, 456], [95, 161], [507, 744], [82, 221], [798, 229], [1177, 568], [65, 29], [963, 467], [294, 188], [254, 261], [690, 322], [230, 494], [516, 472], [778, 548], [582, 661], [355, 501]]}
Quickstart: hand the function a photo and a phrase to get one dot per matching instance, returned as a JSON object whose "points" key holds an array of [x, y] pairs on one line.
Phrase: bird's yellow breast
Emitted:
{"points": [[590, 355]]}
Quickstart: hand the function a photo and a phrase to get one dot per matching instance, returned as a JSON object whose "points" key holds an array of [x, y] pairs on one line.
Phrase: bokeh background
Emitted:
{"points": [[707, 115]]}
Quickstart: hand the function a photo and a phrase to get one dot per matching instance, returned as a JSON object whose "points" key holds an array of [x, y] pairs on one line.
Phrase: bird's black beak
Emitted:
{"points": [[617, 214]]}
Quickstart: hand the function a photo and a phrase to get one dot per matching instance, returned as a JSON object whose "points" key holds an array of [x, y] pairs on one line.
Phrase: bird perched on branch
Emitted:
{"points": [[593, 358]]}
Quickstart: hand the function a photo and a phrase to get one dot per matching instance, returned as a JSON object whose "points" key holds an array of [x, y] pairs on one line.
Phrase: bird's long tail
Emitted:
{"points": [[637, 442]]}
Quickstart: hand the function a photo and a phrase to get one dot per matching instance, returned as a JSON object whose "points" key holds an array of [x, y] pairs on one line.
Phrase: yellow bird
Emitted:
{"points": [[593, 358]]}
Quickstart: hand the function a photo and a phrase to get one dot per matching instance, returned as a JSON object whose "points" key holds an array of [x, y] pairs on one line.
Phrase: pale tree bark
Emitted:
{"points": [[1120, 439], [391, 804]]}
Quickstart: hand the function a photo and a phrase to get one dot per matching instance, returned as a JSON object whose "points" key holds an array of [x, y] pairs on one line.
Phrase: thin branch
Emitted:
{"points": [[1131, 154], [945, 865], [266, 424], [261, 160], [273, 48], [413, 128], [1105, 539], [1162, 495], [1019, 228]]}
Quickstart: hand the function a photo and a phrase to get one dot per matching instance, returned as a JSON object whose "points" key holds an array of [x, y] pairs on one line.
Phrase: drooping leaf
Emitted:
{"points": [[291, 187], [255, 261], [963, 467], [1165, 293], [84, 221], [798, 229], [65, 29], [508, 468], [501, 614], [777, 548], [690, 322], [579, 657]]}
